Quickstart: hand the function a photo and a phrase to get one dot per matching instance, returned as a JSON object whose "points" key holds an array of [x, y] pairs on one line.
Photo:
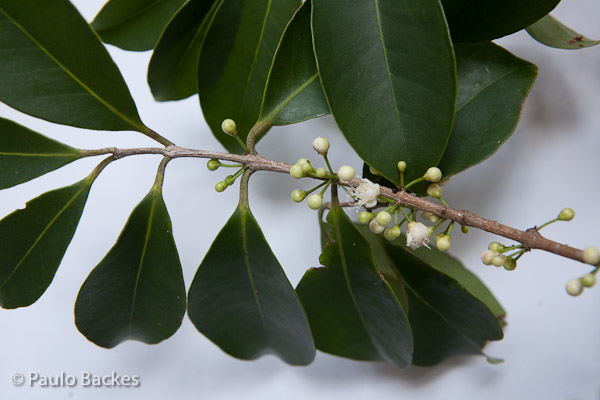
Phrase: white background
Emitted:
{"points": [[552, 343]]}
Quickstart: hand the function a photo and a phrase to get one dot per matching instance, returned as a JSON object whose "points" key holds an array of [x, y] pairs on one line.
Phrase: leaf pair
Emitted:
{"points": [[376, 300]]}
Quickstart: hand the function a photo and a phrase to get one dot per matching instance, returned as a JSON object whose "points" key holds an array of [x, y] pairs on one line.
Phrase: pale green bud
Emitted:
{"points": [[315, 201], [298, 195], [229, 127], [434, 190], [591, 255], [401, 166], [433, 174], [296, 171], [346, 173], [321, 172], [566, 214], [574, 287], [384, 218], [364, 217]]}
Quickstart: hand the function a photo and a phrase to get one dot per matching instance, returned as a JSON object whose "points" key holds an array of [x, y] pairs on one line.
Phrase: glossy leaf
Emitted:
{"points": [[387, 69], [55, 68], [492, 87], [134, 24], [25, 154], [235, 60], [137, 290], [446, 319], [352, 310], [241, 299], [483, 20], [34, 241], [293, 91], [553, 33], [173, 69]]}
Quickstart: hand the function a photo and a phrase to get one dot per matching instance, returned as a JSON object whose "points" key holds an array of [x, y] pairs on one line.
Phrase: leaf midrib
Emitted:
{"points": [[289, 98]]}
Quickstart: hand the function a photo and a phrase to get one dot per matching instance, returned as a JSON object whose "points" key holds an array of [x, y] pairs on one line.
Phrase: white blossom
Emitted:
{"points": [[366, 193], [417, 235]]}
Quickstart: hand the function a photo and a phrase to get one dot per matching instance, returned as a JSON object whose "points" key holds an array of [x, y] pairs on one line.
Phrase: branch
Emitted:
{"points": [[530, 238]]}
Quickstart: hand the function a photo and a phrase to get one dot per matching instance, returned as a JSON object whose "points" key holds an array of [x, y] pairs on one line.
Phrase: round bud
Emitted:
{"points": [[510, 264], [434, 190], [498, 260], [433, 174], [495, 246], [464, 229], [229, 180], [220, 186], [574, 287], [434, 218], [321, 172], [321, 145], [426, 214], [346, 173], [374, 171], [315, 201], [229, 127], [298, 195], [301, 161], [443, 243], [437, 237], [591, 255], [364, 217], [392, 233], [307, 167], [213, 164], [296, 171], [375, 227], [487, 257], [566, 214], [588, 280], [401, 166], [383, 218]]}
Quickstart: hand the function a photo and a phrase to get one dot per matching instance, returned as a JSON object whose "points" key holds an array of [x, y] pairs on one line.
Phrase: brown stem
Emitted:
{"points": [[531, 238]]}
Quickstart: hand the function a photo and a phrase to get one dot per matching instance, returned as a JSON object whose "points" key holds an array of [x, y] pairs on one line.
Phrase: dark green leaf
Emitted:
{"points": [[241, 299], [134, 24], [492, 87], [235, 60], [553, 33], [25, 154], [34, 241], [293, 91], [173, 69], [483, 20], [352, 311], [55, 68], [137, 290], [446, 319], [387, 69]]}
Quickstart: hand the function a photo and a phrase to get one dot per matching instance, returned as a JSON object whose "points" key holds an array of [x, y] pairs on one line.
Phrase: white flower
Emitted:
{"points": [[366, 193], [417, 235]]}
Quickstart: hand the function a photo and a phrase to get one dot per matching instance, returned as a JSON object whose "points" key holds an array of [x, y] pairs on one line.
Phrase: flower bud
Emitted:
{"points": [[574, 287], [375, 227], [213, 164], [298, 195], [229, 127], [510, 264], [383, 218], [433, 174], [496, 246], [443, 243], [588, 280], [315, 201], [498, 260], [426, 214], [220, 186], [345, 173], [321, 172], [229, 180], [301, 161], [566, 214], [364, 217], [591, 255], [296, 171], [307, 167], [321, 145], [401, 166], [464, 229], [434, 190], [487, 257], [392, 233]]}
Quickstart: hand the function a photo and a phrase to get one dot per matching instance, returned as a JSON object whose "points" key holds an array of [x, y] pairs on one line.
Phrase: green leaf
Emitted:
{"points": [[446, 319], [137, 291], [134, 24], [293, 93], [235, 60], [241, 299], [34, 241], [352, 311], [173, 69], [387, 69], [25, 154], [492, 87], [553, 33], [483, 20], [55, 68]]}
